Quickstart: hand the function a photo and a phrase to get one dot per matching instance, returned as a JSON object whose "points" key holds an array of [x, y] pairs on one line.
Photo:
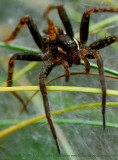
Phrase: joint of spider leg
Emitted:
{"points": [[24, 19], [12, 59], [28, 18], [90, 54], [59, 5]]}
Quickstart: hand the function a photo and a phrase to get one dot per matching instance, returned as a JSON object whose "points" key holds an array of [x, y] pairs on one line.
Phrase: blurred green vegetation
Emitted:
{"points": [[35, 141]]}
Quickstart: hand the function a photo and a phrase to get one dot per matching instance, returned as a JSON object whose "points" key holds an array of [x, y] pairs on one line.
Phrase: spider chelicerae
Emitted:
{"points": [[61, 48]]}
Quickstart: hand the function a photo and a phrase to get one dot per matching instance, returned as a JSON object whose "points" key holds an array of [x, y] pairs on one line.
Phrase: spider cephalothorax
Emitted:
{"points": [[61, 48]]}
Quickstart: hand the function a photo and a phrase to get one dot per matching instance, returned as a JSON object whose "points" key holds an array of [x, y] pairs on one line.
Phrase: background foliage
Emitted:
{"points": [[77, 141]]}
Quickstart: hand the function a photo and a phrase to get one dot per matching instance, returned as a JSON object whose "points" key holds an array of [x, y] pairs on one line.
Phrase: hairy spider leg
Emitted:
{"points": [[36, 36], [22, 56], [66, 67], [84, 27], [102, 81], [104, 42], [33, 29], [20, 99], [63, 16], [86, 64], [55, 60], [44, 73], [93, 54], [54, 49], [96, 46]]}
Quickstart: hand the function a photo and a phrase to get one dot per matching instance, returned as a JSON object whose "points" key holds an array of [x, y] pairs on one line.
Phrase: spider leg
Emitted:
{"points": [[103, 42], [22, 56], [66, 67], [63, 16], [20, 99], [44, 73], [91, 54], [84, 28], [86, 64], [33, 29], [102, 81], [96, 46], [54, 49]]}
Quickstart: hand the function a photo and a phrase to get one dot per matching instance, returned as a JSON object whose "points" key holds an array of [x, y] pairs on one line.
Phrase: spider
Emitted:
{"points": [[61, 48]]}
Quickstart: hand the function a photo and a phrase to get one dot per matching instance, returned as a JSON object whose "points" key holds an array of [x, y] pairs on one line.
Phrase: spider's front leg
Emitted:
{"points": [[26, 56], [44, 73], [54, 49], [84, 28], [33, 30], [63, 16]]}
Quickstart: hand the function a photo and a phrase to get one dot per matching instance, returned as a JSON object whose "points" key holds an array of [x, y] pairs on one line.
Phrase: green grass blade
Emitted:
{"points": [[60, 121]]}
